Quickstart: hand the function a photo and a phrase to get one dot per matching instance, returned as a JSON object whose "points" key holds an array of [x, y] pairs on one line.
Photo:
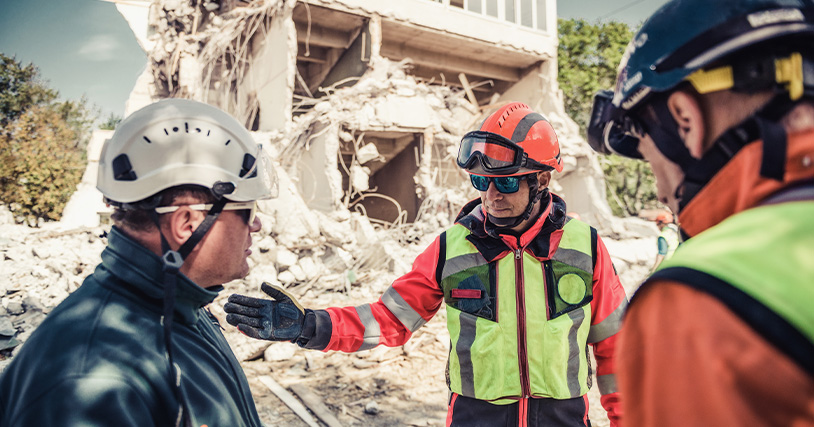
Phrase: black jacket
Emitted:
{"points": [[99, 357]]}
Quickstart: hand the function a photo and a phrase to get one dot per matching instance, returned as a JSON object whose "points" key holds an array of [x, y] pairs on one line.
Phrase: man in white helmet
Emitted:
{"points": [[134, 345]]}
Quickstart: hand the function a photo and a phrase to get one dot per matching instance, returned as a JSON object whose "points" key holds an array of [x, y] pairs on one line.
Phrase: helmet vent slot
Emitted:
{"points": [[227, 142], [248, 164], [147, 139], [122, 169]]}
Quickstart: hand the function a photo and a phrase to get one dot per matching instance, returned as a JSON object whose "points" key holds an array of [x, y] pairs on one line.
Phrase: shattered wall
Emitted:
{"points": [[326, 79], [223, 52]]}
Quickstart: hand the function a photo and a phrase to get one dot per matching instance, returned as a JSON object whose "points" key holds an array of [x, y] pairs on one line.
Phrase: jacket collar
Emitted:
{"points": [[493, 244], [738, 186], [138, 271]]}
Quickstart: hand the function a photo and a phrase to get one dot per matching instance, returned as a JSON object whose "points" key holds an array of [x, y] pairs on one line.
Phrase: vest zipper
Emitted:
{"points": [[522, 350], [523, 412]]}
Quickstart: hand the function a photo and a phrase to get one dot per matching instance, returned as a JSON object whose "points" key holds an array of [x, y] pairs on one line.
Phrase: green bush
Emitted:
{"points": [[588, 56], [42, 156], [630, 183]]}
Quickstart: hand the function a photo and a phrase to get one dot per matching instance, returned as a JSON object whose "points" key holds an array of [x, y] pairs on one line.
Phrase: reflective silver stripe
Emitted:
{"points": [[607, 384], [461, 263], [575, 258], [406, 315], [464, 350], [574, 362], [608, 327], [372, 329]]}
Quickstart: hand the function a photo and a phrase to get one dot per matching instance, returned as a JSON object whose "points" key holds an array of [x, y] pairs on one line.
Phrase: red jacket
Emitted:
{"points": [[414, 298], [687, 359]]}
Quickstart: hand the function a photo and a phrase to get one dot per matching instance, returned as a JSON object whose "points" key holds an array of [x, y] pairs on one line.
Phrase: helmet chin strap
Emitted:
{"points": [[535, 194], [172, 261]]}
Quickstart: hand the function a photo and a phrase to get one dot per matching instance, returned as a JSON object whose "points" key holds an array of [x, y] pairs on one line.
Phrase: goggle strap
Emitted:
{"points": [[665, 135]]}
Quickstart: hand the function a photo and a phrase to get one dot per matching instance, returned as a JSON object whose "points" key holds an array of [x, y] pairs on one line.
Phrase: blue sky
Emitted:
{"points": [[80, 46], [85, 47]]}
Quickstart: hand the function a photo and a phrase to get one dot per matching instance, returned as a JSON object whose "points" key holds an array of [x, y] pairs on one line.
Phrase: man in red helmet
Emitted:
{"points": [[526, 287]]}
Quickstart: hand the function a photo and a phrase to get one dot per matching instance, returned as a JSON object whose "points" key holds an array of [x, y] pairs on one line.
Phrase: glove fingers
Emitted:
{"points": [[275, 292], [244, 300], [230, 307], [280, 295], [238, 320]]}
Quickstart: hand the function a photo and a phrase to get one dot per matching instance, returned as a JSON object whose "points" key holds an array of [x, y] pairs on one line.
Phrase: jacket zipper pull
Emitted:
{"points": [[518, 253]]}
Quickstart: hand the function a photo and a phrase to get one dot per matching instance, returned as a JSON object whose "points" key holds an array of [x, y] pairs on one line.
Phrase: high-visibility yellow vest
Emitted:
{"points": [[518, 326], [760, 263]]}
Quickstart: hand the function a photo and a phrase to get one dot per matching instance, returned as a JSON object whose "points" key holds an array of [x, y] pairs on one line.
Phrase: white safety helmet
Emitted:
{"points": [[177, 142]]}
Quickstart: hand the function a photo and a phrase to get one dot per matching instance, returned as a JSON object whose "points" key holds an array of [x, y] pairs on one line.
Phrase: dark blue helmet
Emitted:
{"points": [[685, 37]]}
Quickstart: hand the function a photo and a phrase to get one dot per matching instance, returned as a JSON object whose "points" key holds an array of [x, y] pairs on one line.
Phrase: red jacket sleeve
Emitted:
{"points": [[412, 300], [607, 308]]}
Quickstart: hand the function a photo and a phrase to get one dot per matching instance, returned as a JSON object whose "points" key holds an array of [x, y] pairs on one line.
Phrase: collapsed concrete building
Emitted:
{"points": [[365, 100]]}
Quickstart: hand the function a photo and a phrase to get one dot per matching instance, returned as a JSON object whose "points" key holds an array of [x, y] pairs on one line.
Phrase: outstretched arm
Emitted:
{"points": [[407, 304]]}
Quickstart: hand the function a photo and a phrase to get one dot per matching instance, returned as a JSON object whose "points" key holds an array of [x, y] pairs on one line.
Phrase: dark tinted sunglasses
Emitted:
{"points": [[503, 184], [247, 210]]}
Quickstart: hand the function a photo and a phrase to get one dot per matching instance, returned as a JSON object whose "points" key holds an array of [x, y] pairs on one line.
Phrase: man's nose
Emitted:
{"points": [[492, 191], [256, 225]]}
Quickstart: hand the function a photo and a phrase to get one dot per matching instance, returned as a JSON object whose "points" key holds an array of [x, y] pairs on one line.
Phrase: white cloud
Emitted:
{"points": [[100, 48]]}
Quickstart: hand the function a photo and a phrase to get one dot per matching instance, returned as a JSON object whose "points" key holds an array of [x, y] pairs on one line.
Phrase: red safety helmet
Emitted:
{"points": [[512, 141]]}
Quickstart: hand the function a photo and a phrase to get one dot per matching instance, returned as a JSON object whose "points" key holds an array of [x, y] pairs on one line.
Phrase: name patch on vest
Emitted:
{"points": [[466, 293]]}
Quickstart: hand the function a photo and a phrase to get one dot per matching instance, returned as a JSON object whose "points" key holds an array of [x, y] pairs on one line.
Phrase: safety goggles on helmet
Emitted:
{"points": [[611, 130], [248, 210], [617, 129], [503, 184], [494, 154]]}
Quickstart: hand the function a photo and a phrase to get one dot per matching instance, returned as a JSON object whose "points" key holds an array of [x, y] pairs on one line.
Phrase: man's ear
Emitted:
{"points": [[544, 178], [687, 112], [181, 224]]}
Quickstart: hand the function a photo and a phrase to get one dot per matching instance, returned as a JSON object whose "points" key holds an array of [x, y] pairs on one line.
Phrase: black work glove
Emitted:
{"points": [[280, 319]]}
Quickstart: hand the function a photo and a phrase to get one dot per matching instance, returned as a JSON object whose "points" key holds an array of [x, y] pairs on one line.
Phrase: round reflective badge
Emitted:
{"points": [[571, 288]]}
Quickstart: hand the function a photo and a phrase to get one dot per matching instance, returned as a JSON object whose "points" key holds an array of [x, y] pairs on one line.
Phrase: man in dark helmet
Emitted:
{"points": [[526, 290], [135, 345], [719, 97]]}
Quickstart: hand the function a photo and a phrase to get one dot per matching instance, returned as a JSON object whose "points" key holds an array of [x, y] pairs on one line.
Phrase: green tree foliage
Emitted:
{"points": [[42, 142], [20, 88], [111, 122], [588, 56]]}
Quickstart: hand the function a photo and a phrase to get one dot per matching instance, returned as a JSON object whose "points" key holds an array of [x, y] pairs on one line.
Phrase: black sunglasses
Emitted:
{"points": [[503, 184]]}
